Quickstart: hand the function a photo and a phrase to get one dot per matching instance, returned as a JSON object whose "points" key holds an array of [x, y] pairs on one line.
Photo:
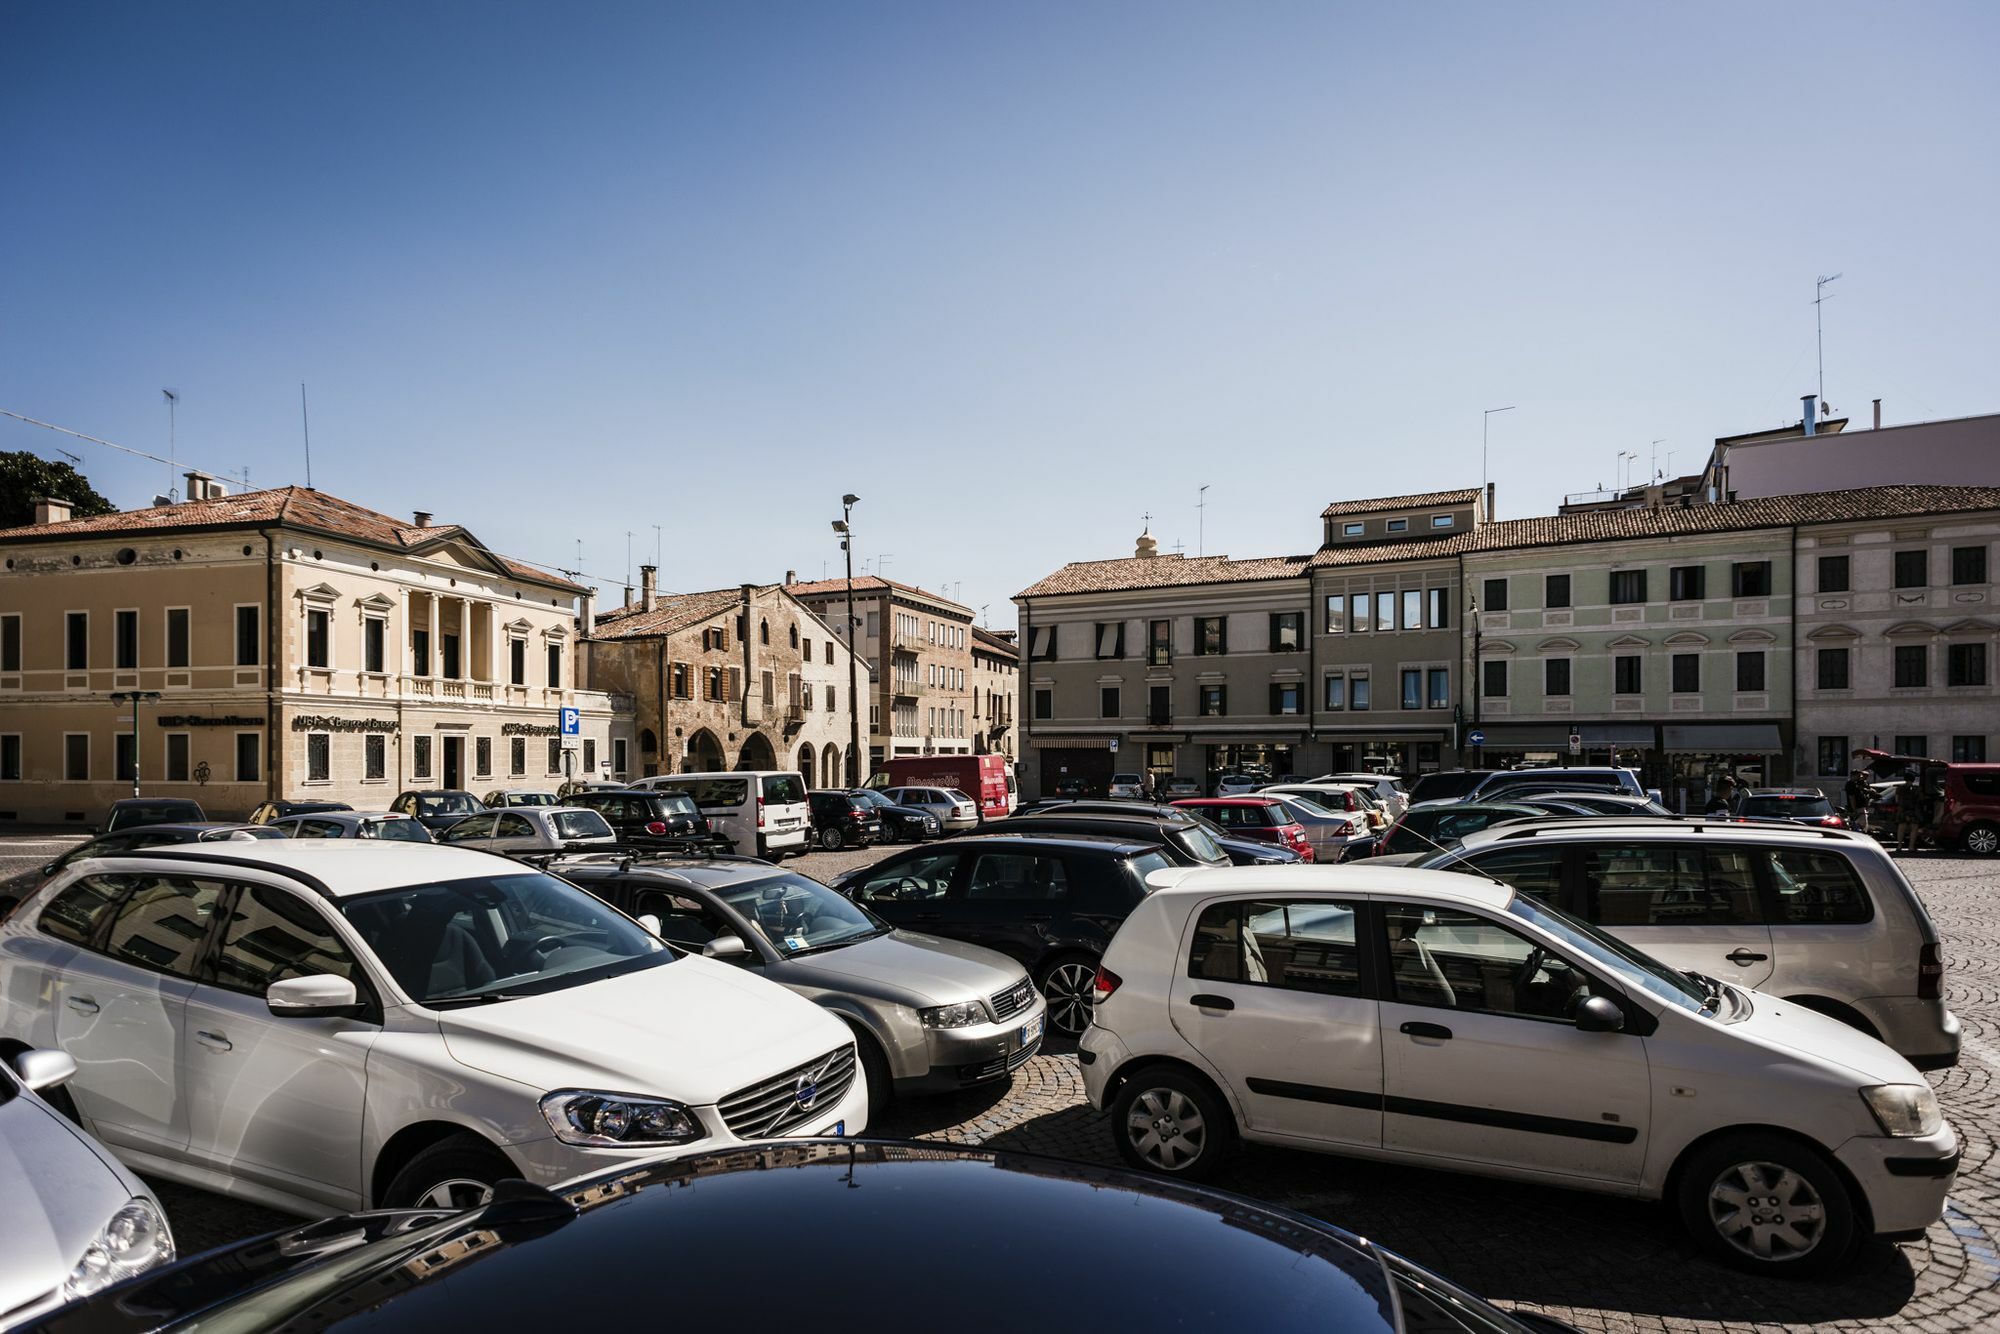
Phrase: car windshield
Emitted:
{"points": [[447, 803], [580, 824], [531, 799], [869, 797], [1198, 841], [152, 812], [798, 916], [406, 831], [1786, 806], [1145, 863], [1308, 805], [953, 794], [676, 806], [1129, 779], [493, 938], [784, 789], [1614, 955]]}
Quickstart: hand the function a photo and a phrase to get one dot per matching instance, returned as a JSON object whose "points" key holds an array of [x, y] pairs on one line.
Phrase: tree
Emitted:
{"points": [[26, 478]]}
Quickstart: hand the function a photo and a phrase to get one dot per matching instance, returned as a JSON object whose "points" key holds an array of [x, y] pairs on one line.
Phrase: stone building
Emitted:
{"points": [[996, 683], [285, 643], [735, 678]]}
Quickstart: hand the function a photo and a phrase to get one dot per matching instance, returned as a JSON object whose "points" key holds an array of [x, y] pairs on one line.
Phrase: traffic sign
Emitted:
{"points": [[1576, 743], [572, 722], [1114, 744], [1475, 737]]}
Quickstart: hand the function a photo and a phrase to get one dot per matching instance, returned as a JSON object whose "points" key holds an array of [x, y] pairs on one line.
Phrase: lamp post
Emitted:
{"points": [[1478, 683], [844, 525], [135, 698]]}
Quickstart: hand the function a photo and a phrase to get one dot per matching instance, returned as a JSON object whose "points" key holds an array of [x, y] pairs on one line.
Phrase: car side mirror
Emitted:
{"points": [[44, 1069], [321, 996], [651, 921], [726, 947], [1598, 1015]]}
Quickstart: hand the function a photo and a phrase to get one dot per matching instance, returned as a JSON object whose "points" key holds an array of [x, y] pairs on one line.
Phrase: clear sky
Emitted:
{"points": [[1015, 273]]}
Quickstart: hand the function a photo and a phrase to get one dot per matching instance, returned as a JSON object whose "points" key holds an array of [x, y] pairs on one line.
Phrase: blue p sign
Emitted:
{"points": [[572, 722]]}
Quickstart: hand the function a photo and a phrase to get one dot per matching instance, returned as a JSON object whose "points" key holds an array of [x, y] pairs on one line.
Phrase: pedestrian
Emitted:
{"points": [[1722, 800], [1859, 793], [1909, 816]]}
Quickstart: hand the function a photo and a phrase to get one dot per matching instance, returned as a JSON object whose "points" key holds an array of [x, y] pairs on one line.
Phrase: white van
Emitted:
{"points": [[762, 811]]}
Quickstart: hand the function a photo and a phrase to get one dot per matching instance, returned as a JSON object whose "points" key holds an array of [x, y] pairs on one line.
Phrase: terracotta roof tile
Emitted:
{"points": [[867, 583], [1463, 496], [1170, 571], [671, 612]]}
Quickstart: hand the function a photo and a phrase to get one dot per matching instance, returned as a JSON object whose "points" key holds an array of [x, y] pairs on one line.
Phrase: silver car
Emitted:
{"points": [[355, 824], [954, 810], [932, 1015], [75, 1220], [1334, 835]]}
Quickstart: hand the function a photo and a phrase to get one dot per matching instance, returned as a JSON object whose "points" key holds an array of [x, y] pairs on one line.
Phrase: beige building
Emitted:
{"points": [[733, 678], [300, 646], [996, 683]]}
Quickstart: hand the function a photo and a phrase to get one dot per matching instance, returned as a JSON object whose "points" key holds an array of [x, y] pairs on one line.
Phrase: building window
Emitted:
{"points": [[1287, 631], [1440, 599], [1159, 706], [554, 761], [677, 681], [1967, 750], [1107, 702], [1913, 665], [178, 766], [1750, 670], [1160, 643], [1353, 529], [317, 635], [517, 661], [1968, 565], [1385, 611], [76, 757], [1628, 674], [1357, 693], [1413, 687], [1912, 745], [1045, 703], [1830, 669], [10, 642], [1214, 701], [1750, 579], [1833, 755], [1442, 521], [1685, 673], [1211, 635], [1396, 526], [1493, 595], [1042, 642], [1413, 609], [249, 757], [831, 700], [1965, 665], [124, 748], [554, 654], [1555, 590], [249, 646], [375, 757], [1360, 612], [319, 757], [1440, 682], [125, 641], [1833, 574], [420, 757], [374, 636], [1335, 694], [1285, 701], [590, 755], [1493, 678], [1628, 586], [420, 652], [1912, 569], [76, 627], [618, 753], [1110, 639], [10, 758], [1555, 676]]}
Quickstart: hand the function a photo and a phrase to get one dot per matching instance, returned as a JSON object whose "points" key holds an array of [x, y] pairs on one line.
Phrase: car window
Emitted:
{"points": [[473, 826], [1982, 785], [918, 879], [512, 826], [1144, 864], [272, 935], [1202, 845], [796, 915], [1299, 945], [74, 914], [683, 920], [318, 829], [1533, 871], [1018, 875], [1461, 961], [1816, 888], [399, 831], [449, 803], [1787, 806], [580, 824], [162, 922], [1668, 885], [783, 788]]}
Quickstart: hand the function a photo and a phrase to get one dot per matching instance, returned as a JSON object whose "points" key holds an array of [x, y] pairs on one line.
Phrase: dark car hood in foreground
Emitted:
{"points": [[689, 1245]]}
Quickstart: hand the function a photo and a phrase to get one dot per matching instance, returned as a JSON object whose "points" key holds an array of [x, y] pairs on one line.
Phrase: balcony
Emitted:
{"points": [[1159, 655], [908, 689], [907, 641]]}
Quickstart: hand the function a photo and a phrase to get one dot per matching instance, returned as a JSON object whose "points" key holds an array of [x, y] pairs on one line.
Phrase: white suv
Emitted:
{"points": [[1449, 1022], [347, 1024]]}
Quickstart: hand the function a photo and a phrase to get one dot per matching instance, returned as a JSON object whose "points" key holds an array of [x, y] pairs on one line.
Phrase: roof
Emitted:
{"points": [[1421, 500], [1622, 828], [985, 640], [868, 583], [1335, 877], [1103, 841], [1169, 571], [671, 612], [295, 507], [345, 866]]}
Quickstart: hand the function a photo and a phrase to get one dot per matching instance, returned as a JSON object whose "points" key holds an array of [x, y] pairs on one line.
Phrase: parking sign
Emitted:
{"points": [[572, 722]]}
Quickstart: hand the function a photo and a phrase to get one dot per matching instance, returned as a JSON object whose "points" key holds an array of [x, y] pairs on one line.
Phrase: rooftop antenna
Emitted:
{"points": [[656, 546], [881, 561], [1485, 420], [982, 612], [1657, 474], [172, 469], [628, 557], [75, 460], [305, 424], [1819, 327], [1201, 521]]}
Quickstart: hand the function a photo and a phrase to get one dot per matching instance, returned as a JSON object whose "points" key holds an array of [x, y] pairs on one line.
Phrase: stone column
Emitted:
{"points": [[434, 668]]}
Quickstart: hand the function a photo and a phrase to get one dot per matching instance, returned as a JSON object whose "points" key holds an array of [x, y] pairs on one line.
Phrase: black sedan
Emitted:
{"points": [[597, 1250], [899, 822]]}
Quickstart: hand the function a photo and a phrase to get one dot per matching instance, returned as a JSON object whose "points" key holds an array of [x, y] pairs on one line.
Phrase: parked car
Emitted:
{"points": [[1586, 778], [927, 1014], [1818, 917], [1502, 1038], [1238, 785], [1971, 819], [763, 812], [577, 786], [986, 780], [1792, 805], [18, 887], [1265, 819], [1599, 803], [438, 808], [1049, 902], [1186, 841], [1240, 851], [1127, 787], [1347, 798], [650, 820], [133, 811], [1387, 788], [1334, 835], [369, 1023], [1182, 787], [954, 810], [75, 1218], [1433, 826], [391, 825], [900, 822], [521, 796], [278, 810], [841, 820], [531, 829], [1264, 1268], [1446, 784]]}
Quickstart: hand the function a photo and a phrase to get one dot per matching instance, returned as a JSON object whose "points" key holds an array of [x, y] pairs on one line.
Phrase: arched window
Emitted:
{"points": [[795, 636], [763, 632]]}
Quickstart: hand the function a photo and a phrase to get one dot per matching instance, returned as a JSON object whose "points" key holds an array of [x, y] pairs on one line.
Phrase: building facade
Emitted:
{"points": [[284, 643], [996, 684]]}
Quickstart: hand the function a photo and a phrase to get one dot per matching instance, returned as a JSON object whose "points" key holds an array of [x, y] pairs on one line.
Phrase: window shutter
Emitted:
{"points": [[1275, 702], [733, 688]]}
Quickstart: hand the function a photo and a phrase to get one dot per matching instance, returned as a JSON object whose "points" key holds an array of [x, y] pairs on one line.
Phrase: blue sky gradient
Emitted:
{"points": [[1014, 273]]}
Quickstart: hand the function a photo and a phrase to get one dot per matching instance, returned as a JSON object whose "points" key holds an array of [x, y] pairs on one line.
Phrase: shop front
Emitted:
{"points": [[1531, 745], [1698, 755]]}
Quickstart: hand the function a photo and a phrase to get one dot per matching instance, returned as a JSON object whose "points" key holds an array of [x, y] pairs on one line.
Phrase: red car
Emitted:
{"points": [[1261, 818]]}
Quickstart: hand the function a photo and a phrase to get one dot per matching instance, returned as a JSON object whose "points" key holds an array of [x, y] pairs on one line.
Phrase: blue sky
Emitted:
{"points": [[1014, 273]]}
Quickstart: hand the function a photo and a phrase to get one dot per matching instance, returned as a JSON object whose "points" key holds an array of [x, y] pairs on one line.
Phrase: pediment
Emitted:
{"points": [[1687, 639], [1834, 632], [376, 602], [1630, 641], [319, 593], [1753, 636], [1910, 630], [1560, 644], [1971, 625]]}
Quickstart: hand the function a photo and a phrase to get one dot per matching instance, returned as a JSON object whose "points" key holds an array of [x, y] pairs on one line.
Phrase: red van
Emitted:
{"points": [[987, 779]]}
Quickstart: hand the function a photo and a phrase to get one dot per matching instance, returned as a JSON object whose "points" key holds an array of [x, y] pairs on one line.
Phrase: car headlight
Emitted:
{"points": [[963, 1015], [136, 1239], [613, 1120], [1905, 1111]]}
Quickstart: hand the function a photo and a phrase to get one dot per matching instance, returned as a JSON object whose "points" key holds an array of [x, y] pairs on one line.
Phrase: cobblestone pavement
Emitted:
{"points": [[1602, 1264]]}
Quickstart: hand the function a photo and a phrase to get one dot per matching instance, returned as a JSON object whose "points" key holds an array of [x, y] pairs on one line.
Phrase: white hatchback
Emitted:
{"points": [[532, 829], [1453, 1023], [329, 1025]]}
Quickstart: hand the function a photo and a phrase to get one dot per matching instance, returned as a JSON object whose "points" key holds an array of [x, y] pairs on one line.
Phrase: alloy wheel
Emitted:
{"points": [[1767, 1211], [1982, 840], [1166, 1128], [1068, 989], [831, 840], [456, 1193]]}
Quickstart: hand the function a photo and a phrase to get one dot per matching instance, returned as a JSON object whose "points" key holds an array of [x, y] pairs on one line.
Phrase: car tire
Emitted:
{"points": [[1981, 839], [1768, 1204], [1172, 1123], [454, 1173], [832, 840], [1066, 983]]}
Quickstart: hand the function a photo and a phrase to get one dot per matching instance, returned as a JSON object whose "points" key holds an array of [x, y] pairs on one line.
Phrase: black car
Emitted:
{"points": [[1240, 851], [1595, 803], [1435, 826], [1790, 805], [843, 820], [1447, 784], [438, 808], [900, 822], [654, 821], [1185, 842], [18, 887], [1050, 901], [135, 811], [532, 1258], [278, 810]]}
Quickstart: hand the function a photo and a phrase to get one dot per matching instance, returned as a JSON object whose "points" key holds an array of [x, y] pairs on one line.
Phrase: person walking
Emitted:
{"points": [[1722, 799], [1859, 793], [1909, 816]]}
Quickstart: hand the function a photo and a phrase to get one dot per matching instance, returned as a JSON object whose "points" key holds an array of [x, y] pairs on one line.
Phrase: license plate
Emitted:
{"points": [[1032, 1029]]}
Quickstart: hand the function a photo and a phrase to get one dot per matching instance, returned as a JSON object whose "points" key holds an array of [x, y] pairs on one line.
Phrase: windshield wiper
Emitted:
{"points": [[836, 944], [1710, 987], [474, 998]]}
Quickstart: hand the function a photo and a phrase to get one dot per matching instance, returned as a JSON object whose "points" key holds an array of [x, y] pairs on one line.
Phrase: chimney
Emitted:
{"points": [[423, 518], [200, 486], [649, 588], [1878, 414], [1489, 500], [586, 615], [48, 509], [792, 576], [1812, 402]]}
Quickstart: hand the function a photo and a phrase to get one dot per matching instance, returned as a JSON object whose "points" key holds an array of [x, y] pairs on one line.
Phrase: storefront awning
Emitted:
{"points": [[1724, 738], [1556, 735]]}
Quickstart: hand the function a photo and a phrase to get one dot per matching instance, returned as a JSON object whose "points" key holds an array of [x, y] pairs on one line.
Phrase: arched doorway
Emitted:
{"points": [[830, 770], [806, 769], [757, 753], [704, 753]]}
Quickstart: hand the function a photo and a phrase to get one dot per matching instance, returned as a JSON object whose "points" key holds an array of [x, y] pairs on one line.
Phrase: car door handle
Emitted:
{"points": [[1422, 1030], [213, 1041], [81, 1004], [1208, 1002], [1741, 956]]}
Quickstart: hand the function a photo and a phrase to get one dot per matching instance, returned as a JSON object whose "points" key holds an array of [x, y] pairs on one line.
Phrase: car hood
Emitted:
{"points": [[59, 1192], [693, 1030], [1798, 1031], [925, 969]]}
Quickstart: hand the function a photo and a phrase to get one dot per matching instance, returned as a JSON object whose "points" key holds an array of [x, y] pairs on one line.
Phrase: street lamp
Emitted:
{"points": [[1478, 684], [844, 525], [135, 698]]}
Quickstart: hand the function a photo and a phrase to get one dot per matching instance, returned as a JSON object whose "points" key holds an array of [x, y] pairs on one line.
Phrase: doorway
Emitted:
{"points": [[454, 761]]}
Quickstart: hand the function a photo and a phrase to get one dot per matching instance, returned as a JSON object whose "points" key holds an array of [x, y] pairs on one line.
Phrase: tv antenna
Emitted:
{"points": [[1201, 521], [1820, 298], [305, 427], [75, 460], [1657, 475], [173, 399]]}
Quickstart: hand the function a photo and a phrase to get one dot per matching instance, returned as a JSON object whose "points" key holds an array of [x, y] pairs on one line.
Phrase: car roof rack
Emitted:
{"points": [[1512, 831], [195, 854]]}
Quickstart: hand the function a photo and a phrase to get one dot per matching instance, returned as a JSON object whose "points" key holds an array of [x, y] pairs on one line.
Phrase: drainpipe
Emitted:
{"points": [[273, 738], [743, 705], [660, 707]]}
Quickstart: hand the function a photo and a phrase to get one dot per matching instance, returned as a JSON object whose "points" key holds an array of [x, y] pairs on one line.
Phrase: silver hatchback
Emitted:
{"points": [[954, 810]]}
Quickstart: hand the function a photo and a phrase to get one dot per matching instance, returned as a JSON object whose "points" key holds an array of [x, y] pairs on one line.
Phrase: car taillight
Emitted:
{"points": [[760, 812], [1833, 822], [1930, 972], [1106, 983], [655, 827]]}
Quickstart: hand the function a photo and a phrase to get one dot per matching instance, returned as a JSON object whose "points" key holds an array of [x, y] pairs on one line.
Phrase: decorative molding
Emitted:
{"points": [[1630, 641], [1626, 615], [1684, 638], [1685, 703], [1684, 611], [1559, 644], [1752, 703], [1833, 604], [1630, 704], [1552, 619], [1834, 632], [1752, 635], [1759, 607]]}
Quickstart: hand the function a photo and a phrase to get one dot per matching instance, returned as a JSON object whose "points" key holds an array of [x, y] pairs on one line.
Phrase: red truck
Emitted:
{"points": [[987, 779]]}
